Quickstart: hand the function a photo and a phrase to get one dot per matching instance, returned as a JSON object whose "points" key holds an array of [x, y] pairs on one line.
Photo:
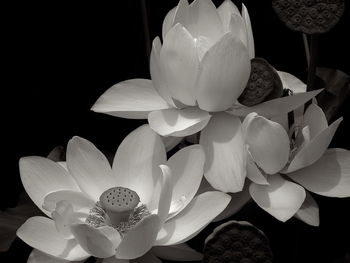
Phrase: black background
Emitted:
{"points": [[58, 58]]}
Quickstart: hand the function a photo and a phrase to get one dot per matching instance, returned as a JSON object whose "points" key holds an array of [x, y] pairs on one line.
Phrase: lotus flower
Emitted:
{"points": [[198, 73], [301, 154], [118, 213]]}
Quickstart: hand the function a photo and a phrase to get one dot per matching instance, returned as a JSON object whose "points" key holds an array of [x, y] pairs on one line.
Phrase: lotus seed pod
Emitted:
{"points": [[237, 242], [119, 203], [309, 16], [263, 84]]}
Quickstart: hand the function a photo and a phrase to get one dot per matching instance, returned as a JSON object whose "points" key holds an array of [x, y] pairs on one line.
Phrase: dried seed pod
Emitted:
{"points": [[309, 16], [237, 241], [263, 84]]}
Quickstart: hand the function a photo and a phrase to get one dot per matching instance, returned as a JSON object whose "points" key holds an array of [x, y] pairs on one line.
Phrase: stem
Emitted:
{"points": [[307, 50], [146, 28], [313, 62]]}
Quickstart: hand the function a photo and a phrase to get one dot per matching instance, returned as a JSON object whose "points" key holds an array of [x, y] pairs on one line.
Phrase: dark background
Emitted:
{"points": [[59, 58]]}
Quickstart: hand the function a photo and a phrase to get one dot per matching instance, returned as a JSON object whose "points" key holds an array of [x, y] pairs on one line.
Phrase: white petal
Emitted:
{"points": [[276, 106], [315, 118], [149, 257], [187, 169], [176, 122], [204, 20], [182, 14], [140, 239], [100, 242], [36, 256], [197, 214], [248, 26], [223, 74], [282, 119], [78, 199], [291, 82], [171, 141], [329, 176], [312, 151], [268, 143], [179, 61], [238, 29], [132, 99], [40, 233], [136, 163], [157, 73], [308, 212], [89, 167], [225, 152], [180, 252], [281, 198], [225, 11], [165, 193], [253, 172], [168, 22], [41, 176]]}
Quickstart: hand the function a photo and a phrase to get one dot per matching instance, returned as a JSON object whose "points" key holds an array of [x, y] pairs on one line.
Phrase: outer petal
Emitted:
{"points": [[168, 22], [41, 176], [281, 198], [136, 163], [198, 214], [268, 143], [132, 99], [149, 257], [223, 74], [253, 172], [114, 260], [187, 168], [329, 176], [315, 118], [308, 212], [248, 26], [40, 233], [180, 63], [157, 73], [291, 82], [312, 151], [140, 239], [165, 194], [180, 252], [180, 123], [100, 242], [275, 107], [89, 167], [171, 141], [36, 256], [225, 11], [223, 144]]}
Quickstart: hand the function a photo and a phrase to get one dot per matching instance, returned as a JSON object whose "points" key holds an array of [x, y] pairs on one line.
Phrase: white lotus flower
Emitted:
{"points": [[302, 155], [120, 212], [197, 75]]}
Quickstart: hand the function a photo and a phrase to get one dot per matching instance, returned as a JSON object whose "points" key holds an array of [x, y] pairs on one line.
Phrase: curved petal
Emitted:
{"points": [[308, 212], [157, 73], [197, 214], [165, 194], [268, 143], [248, 26], [176, 122], [171, 141], [40, 232], [41, 176], [253, 172], [187, 171], [89, 167], [149, 257], [180, 252], [136, 163], [281, 198], [313, 150], [168, 22], [179, 60], [315, 118], [132, 246], [36, 256], [225, 152], [78, 200], [329, 176], [223, 74], [225, 11], [291, 82], [276, 106], [100, 242], [132, 99], [238, 29]]}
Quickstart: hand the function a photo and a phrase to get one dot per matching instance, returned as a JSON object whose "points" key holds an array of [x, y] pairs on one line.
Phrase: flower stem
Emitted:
{"points": [[146, 28], [313, 62], [307, 50]]}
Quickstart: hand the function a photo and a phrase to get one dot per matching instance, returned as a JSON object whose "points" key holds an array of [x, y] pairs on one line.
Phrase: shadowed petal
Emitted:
{"points": [[291, 82], [180, 252], [315, 118], [168, 22], [165, 193], [36, 256], [149, 257], [248, 26], [132, 99], [281, 198], [308, 212]]}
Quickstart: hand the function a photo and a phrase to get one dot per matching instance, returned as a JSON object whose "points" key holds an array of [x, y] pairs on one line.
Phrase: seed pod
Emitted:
{"points": [[263, 84], [309, 16], [239, 242]]}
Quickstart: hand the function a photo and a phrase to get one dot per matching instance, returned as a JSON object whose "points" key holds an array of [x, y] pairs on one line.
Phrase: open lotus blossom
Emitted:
{"points": [[118, 213], [198, 73], [299, 153]]}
